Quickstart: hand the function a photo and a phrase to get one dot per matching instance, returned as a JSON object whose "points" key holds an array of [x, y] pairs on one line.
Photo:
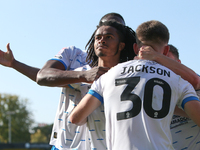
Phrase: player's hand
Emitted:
{"points": [[94, 73], [6, 58], [147, 52]]}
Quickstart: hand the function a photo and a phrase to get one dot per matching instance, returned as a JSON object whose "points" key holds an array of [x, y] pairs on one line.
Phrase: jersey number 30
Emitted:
{"points": [[127, 95]]}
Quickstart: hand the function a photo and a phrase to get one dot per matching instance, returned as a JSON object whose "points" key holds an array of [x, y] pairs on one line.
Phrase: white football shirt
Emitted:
{"points": [[139, 98], [185, 133], [66, 135], [96, 120]]}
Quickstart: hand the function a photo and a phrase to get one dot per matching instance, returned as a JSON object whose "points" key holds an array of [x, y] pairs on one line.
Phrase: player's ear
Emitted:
{"points": [[121, 46], [136, 48], [166, 50]]}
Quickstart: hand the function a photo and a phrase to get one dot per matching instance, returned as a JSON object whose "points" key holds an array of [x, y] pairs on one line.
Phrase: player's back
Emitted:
{"points": [[139, 99]]}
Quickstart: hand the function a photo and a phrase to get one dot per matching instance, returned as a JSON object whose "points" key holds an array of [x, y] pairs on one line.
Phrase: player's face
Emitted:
{"points": [[107, 42]]}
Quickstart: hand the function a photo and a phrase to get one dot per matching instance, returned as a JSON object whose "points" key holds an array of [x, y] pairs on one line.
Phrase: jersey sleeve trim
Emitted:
{"points": [[61, 62], [95, 94], [188, 99], [70, 86]]}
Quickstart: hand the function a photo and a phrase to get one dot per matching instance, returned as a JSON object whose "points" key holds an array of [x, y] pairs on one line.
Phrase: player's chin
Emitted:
{"points": [[101, 54]]}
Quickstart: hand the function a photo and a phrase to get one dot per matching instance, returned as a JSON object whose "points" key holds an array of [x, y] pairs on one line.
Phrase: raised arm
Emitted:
{"points": [[7, 59], [86, 106], [180, 69]]}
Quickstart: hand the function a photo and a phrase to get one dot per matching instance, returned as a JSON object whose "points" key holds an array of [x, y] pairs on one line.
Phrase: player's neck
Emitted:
{"points": [[108, 63]]}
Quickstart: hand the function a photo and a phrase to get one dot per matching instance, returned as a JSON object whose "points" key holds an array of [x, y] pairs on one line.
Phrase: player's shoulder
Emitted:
{"points": [[70, 52], [73, 49], [136, 62], [127, 63]]}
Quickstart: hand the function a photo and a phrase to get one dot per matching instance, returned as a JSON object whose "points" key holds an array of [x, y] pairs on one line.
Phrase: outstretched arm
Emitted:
{"points": [[85, 107], [7, 59], [180, 69], [52, 74]]}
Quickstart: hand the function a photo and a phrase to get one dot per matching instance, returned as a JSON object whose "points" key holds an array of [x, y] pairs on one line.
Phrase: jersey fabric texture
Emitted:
{"points": [[139, 98], [185, 133], [66, 135], [96, 120]]}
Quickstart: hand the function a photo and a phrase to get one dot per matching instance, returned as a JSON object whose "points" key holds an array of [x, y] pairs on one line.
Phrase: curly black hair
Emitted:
{"points": [[127, 35]]}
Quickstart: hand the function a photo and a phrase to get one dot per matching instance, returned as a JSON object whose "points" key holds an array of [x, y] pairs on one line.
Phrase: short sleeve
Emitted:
{"points": [[187, 93], [71, 57], [96, 89]]}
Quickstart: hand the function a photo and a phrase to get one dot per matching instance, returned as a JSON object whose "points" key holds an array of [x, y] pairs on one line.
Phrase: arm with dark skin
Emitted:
{"points": [[7, 59], [52, 74]]}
